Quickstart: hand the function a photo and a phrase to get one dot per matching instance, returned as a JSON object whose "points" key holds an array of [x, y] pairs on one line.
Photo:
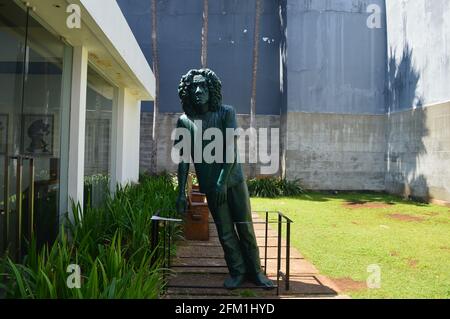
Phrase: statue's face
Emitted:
{"points": [[200, 93]]}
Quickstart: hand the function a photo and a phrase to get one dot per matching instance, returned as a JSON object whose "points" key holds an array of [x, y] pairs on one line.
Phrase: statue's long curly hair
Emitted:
{"points": [[214, 87]]}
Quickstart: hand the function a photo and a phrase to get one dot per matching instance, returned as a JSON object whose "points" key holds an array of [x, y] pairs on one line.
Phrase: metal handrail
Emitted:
{"points": [[19, 238], [275, 212], [167, 231]]}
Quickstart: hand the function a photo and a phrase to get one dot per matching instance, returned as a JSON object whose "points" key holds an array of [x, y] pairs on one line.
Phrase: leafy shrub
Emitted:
{"points": [[96, 190], [290, 188], [273, 187], [111, 245]]}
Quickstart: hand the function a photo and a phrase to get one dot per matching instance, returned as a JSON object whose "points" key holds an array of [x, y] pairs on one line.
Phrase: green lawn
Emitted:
{"points": [[343, 234]]}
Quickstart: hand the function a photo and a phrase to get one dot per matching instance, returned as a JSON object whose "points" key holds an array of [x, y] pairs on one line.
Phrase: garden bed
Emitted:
{"points": [[109, 246]]}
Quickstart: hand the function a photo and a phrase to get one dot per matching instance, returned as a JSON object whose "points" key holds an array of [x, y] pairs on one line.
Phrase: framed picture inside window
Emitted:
{"points": [[4, 127], [38, 134]]}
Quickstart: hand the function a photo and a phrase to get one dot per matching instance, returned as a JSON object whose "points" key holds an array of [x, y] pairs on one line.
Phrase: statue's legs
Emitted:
{"points": [[228, 238], [239, 244], [239, 205]]}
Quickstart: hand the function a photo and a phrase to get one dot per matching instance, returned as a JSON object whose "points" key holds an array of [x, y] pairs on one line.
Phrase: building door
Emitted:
{"points": [[34, 111]]}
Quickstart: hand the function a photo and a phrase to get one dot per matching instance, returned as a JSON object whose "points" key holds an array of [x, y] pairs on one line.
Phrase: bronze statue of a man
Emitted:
{"points": [[223, 182]]}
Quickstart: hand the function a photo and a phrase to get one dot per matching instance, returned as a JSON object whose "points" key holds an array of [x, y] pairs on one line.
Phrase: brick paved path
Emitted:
{"points": [[306, 282]]}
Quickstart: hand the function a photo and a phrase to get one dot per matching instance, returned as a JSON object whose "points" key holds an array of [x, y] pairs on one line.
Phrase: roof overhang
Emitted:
{"points": [[113, 49]]}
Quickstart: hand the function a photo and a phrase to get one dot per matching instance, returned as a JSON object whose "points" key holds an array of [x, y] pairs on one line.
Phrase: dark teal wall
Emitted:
{"points": [[334, 63], [230, 43]]}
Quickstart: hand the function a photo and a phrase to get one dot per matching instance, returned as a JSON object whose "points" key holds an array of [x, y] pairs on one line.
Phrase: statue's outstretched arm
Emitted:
{"points": [[183, 173], [227, 167]]}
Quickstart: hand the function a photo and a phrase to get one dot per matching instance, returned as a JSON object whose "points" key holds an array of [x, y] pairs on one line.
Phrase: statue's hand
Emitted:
{"points": [[221, 195], [181, 205]]}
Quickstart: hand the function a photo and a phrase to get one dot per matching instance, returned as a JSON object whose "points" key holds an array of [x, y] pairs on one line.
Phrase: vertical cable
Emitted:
{"points": [[24, 78]]}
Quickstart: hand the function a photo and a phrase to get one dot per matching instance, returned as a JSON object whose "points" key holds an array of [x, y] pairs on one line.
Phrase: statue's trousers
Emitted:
{"points": [[235, 229]]}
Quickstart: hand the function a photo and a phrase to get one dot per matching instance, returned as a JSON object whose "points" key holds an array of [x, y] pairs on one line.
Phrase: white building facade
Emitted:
{"points": [[72, 78]]}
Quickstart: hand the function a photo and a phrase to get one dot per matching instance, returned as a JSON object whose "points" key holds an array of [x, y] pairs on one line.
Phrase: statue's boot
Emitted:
{"points": [[234, 282], [261, 280]]}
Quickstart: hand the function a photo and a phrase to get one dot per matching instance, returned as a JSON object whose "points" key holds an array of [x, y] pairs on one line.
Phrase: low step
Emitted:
{"points": [[197, 197]]}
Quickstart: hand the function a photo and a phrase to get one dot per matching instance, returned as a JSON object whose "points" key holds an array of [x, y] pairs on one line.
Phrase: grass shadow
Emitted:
{"points": [[359, 198]]}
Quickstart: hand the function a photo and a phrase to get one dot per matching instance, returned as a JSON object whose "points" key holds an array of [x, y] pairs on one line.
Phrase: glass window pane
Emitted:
{"points": [[43, 114], [34, 65], [100, 97], [12, 56]]}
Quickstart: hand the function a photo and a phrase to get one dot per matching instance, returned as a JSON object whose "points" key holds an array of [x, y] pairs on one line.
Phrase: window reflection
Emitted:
{"points": [[34, 65], [100, 97]]}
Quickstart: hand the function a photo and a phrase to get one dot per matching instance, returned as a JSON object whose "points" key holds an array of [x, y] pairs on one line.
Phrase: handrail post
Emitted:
{"points": [[288, 253], [6, 219], [31, 200], [155, 240], [265, 243], [170, 246], [19, 197], [164, 245], [166, 242], [279, 254], [164, 271]]}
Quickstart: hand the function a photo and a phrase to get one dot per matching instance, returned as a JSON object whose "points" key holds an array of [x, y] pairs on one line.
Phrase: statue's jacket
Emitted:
{"points": [[208, 173]]}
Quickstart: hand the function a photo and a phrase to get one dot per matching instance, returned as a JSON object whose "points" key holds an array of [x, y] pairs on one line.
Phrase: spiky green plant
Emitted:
{"points": [[111, 245], [273, 187]]}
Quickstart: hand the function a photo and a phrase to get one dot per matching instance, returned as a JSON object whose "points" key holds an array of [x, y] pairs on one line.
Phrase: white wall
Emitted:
{"points": [[418, 126], [418, 34], [126, 139], [132, 137], [108, 16], [77, 125]]}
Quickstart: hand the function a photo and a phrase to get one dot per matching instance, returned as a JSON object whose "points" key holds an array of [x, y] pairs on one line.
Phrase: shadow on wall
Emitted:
{"points": [[406, 128]]}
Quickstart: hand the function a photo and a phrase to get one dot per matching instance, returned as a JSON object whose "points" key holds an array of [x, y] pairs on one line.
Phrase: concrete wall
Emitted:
{"points": [[335, 63], [334, 127], [322, 73], [167, 122], [328, 151], [419, 152], [146, 142], [338, 152], [418, 100], [361, 108]]}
